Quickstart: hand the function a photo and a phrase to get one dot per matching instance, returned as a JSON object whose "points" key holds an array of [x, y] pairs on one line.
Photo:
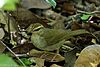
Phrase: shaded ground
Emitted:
{"points": [[42, 36]]}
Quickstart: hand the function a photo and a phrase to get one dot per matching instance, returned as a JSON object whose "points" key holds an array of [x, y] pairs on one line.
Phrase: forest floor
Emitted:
{"points": [[39, 35]]}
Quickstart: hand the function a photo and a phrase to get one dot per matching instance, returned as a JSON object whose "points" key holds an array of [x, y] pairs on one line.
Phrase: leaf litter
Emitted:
{"points": [[38, 35]]}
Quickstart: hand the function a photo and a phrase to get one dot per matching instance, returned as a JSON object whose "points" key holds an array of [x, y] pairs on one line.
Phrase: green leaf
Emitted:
{"points": [[9, 7], [10, 4], [52, 3], [39, 62], [6, 61], [85, 16], [26, 61]]}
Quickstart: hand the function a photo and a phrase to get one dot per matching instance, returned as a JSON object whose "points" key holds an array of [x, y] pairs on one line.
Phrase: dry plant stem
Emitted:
{"points": [[53, 58], [8, 21], [13, 53], [57, 52], [94, 12], [67, 47], [42, 55], [17, 34]]}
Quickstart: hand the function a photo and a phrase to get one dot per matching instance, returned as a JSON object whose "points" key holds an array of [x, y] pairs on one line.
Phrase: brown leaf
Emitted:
{"points": [[69, 8], [89, 57], [41, 4], [55, 65], [92, 1], [75, 25], [2, 33], [24, 48], [39, 62], [2, 47], [24, 17], [59, 23], [48, 56]]}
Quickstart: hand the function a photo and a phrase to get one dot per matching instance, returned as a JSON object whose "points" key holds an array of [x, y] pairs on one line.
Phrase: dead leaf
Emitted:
{"points": [[89, 57], [3, 20], [55, 65], [41, 4], [39, 62], [76, 25], [70, 58], [24, 48], [92, 1], [2, 47], [1, 33], [69, 8], [25, 18], [48, 56], [59, 23]]}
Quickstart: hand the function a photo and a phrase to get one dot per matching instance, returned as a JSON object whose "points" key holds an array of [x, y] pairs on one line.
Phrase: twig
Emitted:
{"points": [[57, 52], [13, 53], [8, 21], [94, 12]]}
